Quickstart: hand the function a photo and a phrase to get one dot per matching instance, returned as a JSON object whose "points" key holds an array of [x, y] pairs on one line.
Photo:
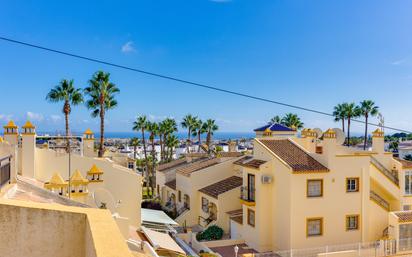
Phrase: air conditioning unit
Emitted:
{"points": [[266, 179]]}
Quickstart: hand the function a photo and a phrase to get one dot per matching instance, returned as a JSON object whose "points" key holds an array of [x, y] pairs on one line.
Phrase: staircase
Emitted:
{"points": [[392, 176]]}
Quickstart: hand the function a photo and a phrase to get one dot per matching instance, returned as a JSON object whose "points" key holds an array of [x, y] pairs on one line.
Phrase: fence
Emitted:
{"points": [[5, 170], [369, 249]]}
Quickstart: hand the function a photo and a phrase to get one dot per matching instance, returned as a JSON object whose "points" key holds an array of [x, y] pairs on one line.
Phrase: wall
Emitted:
{"points": [[41, 233], [123, 183]]}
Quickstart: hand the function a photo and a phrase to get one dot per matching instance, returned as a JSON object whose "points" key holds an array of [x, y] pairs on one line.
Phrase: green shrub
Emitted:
{"points": [[211, 233]]}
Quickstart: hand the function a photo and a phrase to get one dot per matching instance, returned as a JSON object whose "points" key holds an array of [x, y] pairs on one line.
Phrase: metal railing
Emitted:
{"points": [[393, 176], [5, 169], [247, 194], [368, 249], [379, 200]]}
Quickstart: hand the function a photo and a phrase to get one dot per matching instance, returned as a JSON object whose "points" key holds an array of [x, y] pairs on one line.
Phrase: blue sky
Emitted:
{"points": [[310, 53]]}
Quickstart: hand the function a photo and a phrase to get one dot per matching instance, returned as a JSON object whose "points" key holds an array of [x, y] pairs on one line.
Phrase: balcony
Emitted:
{"points": [[391, 175], [379, 200], [247, 196]]}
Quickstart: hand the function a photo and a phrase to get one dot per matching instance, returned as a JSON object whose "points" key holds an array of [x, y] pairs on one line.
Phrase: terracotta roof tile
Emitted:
{"points": [[405, 163], [243, 159], [171, 184], [220, 187], [254, 163], [294, 156], [187, 170], [171, 164], [404, 216]]}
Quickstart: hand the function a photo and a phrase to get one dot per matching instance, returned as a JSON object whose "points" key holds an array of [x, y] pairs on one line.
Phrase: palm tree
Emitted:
{"points": [[135, 142], [367, 108], [352, 111], [171, 127], [101, 93], [188, 123], [198, 130], [140, 124], [340, 114], [153, 128], [172, 142], [162, 135], [275, 119], [67, 93], [209, 127], [292, 120]]}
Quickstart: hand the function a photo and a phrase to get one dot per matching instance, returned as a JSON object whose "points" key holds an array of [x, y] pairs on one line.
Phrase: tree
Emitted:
{"points": [[367, 108], [292, 120], [171, 127], [408, 157], [140, 124], [209, 127], [101, 93], [352, 111], [188, 123], [162, 134], [198, 130], [153, 128], [339, 111], [67, 93], [276, 119], [172, 142], [135, 142]]}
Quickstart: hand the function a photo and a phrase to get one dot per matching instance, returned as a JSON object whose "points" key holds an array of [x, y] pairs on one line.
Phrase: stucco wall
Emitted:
{"points": [[123, 184], [41, 233]]}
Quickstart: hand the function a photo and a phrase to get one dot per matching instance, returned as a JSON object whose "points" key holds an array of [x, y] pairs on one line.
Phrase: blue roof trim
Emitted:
{"points": [[274, 127]]}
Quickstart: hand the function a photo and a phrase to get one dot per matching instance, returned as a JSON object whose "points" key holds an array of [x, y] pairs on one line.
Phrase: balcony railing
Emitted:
{"points": [[379, 200], [393, 176], [247, 194]]}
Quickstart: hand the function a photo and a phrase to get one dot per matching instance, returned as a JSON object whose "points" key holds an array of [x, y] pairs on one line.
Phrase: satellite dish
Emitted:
{"points": [[340, 136], [318, 132], [104, 200]]}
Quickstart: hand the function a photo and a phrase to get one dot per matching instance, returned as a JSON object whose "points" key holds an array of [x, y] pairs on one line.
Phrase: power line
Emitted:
{"points": [[187, 81]]}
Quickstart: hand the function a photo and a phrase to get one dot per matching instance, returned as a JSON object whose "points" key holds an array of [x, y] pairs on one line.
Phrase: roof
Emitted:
{"points": [[77, 178], [254, 163], [405, 163], [56, 179], [187, 170], [11, 124], [243, 159], [28, 124], [274, 127], [162, 241], [155, 216], [294, 156], [88, 132], [171, 184], [404, 216], [220, 187], [94, 170], [229, 154], [171, 164]]}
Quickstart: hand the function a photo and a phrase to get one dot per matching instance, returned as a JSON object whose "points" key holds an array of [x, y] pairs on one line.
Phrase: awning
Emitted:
{"points": [[162, 241], [155, 216]]}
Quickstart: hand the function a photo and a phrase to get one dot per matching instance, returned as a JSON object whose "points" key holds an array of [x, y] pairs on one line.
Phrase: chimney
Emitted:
{"points": [[309, 137], [329, 144], [378, 142], [28, 149]]}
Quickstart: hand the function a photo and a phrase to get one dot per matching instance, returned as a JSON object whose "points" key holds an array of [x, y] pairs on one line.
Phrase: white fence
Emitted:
{"points": [[370, 249]]}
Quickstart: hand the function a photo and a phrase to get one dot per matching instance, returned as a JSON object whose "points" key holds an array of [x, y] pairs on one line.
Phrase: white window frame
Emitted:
{"points": [[408, 182], [308, 186], [356, 184]]}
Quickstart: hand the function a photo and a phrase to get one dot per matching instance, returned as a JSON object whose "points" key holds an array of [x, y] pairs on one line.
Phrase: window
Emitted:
{"points": [[352, 222], [408, 182], [314, 188], [179, 196], [251, 217], [158, 189], [406, 207], [352, 184], [130, 165], [205, 204], [314, 227]]}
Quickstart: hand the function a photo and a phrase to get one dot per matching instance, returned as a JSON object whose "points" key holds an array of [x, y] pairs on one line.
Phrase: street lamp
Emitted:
{"points": [[236, 248]]}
